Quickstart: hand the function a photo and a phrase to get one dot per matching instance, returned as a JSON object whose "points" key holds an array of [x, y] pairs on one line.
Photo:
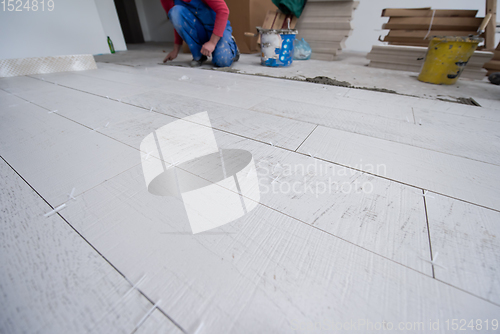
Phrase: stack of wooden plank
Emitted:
{"points": [[326, 25], [411, 58], [494, 65], [277, 20], [412, 26], [410, 31]]}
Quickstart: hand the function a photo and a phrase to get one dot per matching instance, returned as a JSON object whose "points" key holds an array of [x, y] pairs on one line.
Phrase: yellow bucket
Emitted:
{"points": [[446, 59]]}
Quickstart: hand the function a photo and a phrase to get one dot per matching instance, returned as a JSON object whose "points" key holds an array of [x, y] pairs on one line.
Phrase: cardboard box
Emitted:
{"points": [[244, 16]]}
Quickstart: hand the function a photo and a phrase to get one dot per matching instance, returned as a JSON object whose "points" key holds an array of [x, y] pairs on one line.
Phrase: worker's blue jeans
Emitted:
{"points": [[194, 22]]}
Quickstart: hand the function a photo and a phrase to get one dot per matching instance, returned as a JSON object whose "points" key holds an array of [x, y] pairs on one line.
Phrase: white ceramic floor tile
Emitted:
{"points": [[52, 281], [431, 105], [258, 85], [56, 154], [451, 134], [336, 111], [24, 84], [97, 112], [250, 124], [249, 90], [322, 95], [102, 87], [384, 217], [178, 83], [465, 239], [490, 114], [143, 77], [7, 100], [489, 103], [263, 272], [87, 109], [461, 178], [464, 136]]}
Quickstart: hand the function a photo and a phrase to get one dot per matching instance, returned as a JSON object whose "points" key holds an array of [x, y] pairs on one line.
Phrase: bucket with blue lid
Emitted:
{"points": [[276, 46]]}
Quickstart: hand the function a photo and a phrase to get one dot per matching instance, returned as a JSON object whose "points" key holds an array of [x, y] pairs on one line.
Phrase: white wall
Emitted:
{"points": [[141, 11], [154, 23], [368, 23], [111, 23], [73, 27]]}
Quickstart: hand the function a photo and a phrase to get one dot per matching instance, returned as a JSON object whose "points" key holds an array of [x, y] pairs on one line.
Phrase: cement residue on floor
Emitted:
{"points": [[329, 81]]}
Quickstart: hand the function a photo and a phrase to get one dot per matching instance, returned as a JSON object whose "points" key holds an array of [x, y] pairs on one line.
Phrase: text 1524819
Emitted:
{"points": [[27, 5]]}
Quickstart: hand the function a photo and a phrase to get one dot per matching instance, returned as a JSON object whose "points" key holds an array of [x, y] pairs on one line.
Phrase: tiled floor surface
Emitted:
{"points": [[372, 209]]}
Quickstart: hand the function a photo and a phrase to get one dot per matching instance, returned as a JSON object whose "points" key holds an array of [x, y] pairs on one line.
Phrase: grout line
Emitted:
{"points": [[306, 138], [92, 246], [348, 90], [112, 177], [146, 316], [428, 232], [468, 292]]}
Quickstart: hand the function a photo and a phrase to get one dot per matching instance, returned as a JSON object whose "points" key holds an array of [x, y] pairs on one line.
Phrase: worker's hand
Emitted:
{"points": [[208, 48], [171, 56]]}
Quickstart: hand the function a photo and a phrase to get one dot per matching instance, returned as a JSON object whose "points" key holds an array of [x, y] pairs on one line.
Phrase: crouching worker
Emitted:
{"points": [[204, 26]]}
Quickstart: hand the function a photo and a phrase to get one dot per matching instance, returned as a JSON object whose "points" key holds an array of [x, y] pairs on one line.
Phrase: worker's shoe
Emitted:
{"points": [[495, 78], [237, 57], [198, 63]]}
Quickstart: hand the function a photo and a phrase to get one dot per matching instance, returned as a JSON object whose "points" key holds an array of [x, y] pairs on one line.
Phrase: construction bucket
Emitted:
{"points": [[276, 46], [446, 58]]}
